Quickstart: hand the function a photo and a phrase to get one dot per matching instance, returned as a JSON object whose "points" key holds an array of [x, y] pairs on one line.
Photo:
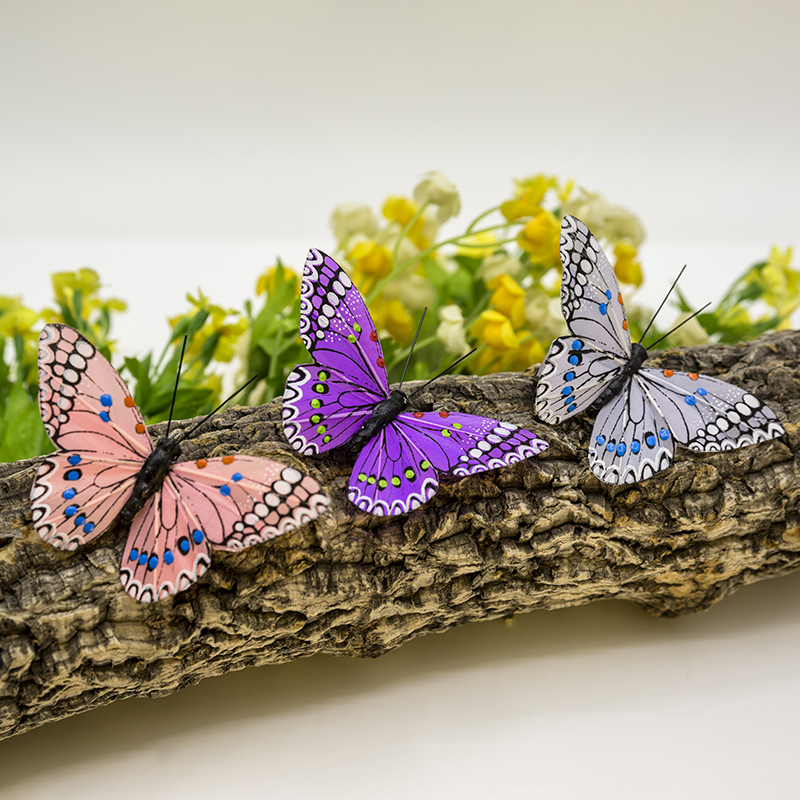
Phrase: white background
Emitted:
{"points": [[172, 145]]}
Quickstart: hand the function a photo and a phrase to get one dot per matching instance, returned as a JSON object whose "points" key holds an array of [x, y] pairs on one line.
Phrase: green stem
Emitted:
{"points": [[482, 216], [406, 229]]}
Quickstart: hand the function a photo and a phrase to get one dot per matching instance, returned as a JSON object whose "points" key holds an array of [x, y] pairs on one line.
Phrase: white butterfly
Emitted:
{"points": [[643, 411]]}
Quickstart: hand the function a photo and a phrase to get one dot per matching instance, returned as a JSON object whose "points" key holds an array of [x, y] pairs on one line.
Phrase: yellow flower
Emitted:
{"points": [[351, 218], [495, 330], [392, 316], [436, 189], [543, 314], [780, 283], [478, 245], [627, 269], [532, 352], [451, 332], [86, 282], [402, 210], [276, 276], [216, 326], [528, 197], [508, 298], [371, 262], [540, 238], [16, 319]]}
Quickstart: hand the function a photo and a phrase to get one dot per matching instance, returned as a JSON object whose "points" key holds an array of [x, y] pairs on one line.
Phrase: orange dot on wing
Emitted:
{"points": [[418, 414], [625, 324], [619, 297], [129, 402], [693, 376], [227, 459], [668, 373], [381, 362], [201, 463], [444, 414], [373, 336], [140, 428]]}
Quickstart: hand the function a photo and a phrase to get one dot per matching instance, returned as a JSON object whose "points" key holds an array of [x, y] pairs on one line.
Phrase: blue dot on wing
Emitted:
{"points": [[570, 376], [573, 360], [142, 559], [664, 434], [236, 477], [73, 475], [134, 556], [197, 536], [68, 494], [70, 511], [650, 440], [608, 293], [610, 446], [169, 557], [635, 446], [577, 344], [690, 400], [621, 449], [225, 490], [571, 408], [80, 519], [105, 399], [104, 416], [183, 545], [88, 527], [74, 460], [566, 390], [701, 391], [601, 440], [153, 562], [603, 308]]}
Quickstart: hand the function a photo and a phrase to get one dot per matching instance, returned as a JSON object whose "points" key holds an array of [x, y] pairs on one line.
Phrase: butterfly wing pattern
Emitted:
{"points": [[636, 430], [226, 503], [327, 402]]}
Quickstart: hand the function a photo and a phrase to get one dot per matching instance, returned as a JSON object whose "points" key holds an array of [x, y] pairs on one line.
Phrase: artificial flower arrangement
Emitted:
{"points": [[494, 285]]}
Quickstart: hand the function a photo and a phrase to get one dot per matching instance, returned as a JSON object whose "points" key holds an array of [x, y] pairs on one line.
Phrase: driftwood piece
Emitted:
{"points": [[542, 534]]}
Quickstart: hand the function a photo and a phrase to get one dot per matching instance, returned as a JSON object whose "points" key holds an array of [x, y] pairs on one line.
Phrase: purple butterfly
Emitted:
{"points": [[643, 411], [344, 400]]}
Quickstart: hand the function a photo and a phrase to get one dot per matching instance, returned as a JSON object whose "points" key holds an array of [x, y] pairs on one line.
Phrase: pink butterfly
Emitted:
{"points": [[107, 469]]}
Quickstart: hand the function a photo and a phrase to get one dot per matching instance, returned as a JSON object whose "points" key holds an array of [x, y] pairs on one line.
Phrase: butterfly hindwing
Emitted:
{"points": [[630, 439], [322, 408], [336, 327], [590, 297], [86, 407], [707, 414], [226, 503], [571, 377], [75, 498]]}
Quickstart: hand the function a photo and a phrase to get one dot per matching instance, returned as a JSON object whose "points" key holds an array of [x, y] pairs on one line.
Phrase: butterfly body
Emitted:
{"points": [[106, 471], [343, 400], [643, 412], [383, 413]]}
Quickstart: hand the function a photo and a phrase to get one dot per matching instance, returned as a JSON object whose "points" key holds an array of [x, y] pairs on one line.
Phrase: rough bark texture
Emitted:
{"points": [[539, 535]]}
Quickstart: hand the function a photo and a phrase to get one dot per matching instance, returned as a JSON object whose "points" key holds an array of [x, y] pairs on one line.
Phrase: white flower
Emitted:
{"points": [[438, 190], [412, 290], [451, 331], [498, 264], [351, 218], [691, 333], [612, 223]]}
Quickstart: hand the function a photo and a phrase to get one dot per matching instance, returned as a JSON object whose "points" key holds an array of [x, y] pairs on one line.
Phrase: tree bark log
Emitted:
{"points": [[541, 534]]}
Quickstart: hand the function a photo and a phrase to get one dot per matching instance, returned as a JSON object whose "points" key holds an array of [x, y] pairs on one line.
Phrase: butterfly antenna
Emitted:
{"points": [[653, 318], [187, 434], [413, 345], [175, 390], [443, 372], [699, 311]]}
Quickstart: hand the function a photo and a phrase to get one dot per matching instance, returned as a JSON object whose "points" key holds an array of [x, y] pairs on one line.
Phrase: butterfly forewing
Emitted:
{"points": [[630, 439], [706, 414], [86, 407], [590, 297], [336, 327], [322, 408], [571, 377]]}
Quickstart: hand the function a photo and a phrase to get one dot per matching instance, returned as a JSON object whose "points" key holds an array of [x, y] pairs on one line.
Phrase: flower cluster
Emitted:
{"points": [[494, 285]]}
